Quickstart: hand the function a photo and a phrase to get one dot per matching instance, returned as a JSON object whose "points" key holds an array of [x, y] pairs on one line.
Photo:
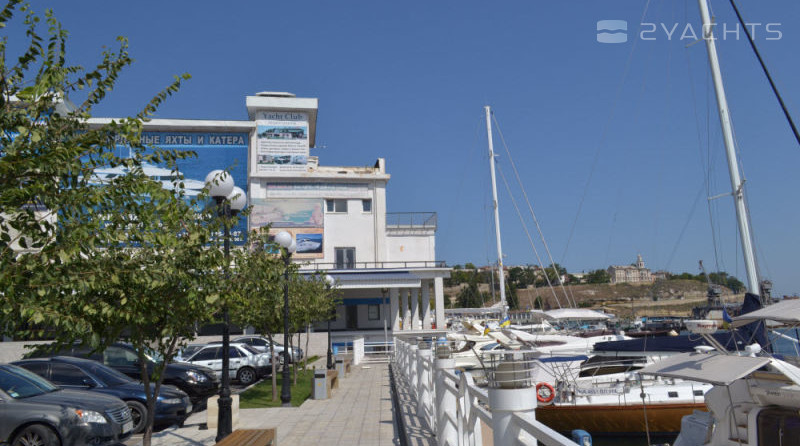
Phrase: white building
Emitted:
{"points": [[636, 273], [384, 263]]}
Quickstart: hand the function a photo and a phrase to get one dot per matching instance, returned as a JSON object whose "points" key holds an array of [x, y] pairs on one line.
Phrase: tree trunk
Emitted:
{"points": [[308, 337], [274, 360]]}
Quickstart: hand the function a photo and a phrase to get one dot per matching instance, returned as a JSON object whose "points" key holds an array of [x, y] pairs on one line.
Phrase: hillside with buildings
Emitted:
{"points": [[668, 297]]}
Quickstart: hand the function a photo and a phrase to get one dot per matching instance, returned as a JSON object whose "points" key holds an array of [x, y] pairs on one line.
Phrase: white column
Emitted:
{"points": [[504, 401], [414, 309], [426, 304], [393, 309], [438, 293], [446, 405], [404, 309]]}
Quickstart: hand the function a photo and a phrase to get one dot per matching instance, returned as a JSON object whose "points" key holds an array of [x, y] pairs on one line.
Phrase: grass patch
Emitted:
{"points": [[260, 395]]}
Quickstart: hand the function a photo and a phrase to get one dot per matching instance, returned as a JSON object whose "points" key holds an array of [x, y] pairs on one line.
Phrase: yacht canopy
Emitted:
{"points": [[577, 314], [706, 367], [785, 312]]}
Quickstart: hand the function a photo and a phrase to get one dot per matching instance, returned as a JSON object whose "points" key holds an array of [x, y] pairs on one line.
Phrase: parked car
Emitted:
{"points": [[34, 411], [172, 405], [246, 364], [188, 351], [261, 344], [198, 382]]}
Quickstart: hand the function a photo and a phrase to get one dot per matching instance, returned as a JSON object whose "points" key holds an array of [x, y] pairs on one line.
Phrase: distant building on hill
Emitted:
{"points": [[636, 273]]}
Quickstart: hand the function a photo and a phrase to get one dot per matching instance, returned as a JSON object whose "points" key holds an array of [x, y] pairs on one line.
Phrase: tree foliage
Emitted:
{"points": [[93, 263], [598, 276]]}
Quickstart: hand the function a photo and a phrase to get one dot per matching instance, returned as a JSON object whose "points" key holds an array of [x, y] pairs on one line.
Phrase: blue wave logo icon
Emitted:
{"points": [[612, 31]]}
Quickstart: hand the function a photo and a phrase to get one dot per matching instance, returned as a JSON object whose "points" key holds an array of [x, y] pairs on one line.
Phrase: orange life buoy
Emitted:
{"points": [[545, 393]]}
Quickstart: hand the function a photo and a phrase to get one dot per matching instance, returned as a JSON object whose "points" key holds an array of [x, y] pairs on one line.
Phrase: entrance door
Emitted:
{"points": [[352, 317]]}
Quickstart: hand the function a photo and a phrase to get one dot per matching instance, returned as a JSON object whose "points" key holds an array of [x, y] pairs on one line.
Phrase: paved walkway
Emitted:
{"points": [[359, 413]]}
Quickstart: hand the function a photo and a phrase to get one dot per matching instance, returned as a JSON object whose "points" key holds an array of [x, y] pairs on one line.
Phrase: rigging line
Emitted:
{"points": [[530, 208], [766, 72], [705, 163], [685, 226], [530, 239], [604, 133]]}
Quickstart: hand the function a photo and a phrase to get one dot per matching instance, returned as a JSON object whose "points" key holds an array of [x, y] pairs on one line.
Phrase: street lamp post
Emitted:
{"points": [[286, 241], [230, 200], [329, 282]]}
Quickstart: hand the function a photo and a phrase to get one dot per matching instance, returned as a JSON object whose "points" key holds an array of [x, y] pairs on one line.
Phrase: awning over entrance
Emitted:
{"points": [[375, 279]]}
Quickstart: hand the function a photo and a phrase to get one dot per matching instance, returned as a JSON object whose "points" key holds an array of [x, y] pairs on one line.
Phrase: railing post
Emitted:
{"points": [[424, 401], [510, 391], [412, 365], [402, 356], [446, 431], [471, 433]]}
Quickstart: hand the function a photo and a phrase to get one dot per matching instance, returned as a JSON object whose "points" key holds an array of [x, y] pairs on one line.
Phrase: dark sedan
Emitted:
{"points": [[34, 411], [172, 405], [198, 382]]}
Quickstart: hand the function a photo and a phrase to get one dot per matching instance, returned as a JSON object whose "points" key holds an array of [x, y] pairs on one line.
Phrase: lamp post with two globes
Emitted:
{"points": [[230, 200], [329, 282], [286, 241]]}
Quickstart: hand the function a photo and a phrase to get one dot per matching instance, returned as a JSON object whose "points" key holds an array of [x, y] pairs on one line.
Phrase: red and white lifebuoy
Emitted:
{"points": [[545, 393]]}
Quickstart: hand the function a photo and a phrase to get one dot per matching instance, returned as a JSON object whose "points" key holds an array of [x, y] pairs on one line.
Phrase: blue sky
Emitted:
{"points": [[628, 129]]}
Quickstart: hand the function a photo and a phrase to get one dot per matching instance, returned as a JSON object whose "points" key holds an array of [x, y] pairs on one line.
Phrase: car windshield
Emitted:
{"points": [[109, 376], [189, 350], [20, 383], [251, 349]]}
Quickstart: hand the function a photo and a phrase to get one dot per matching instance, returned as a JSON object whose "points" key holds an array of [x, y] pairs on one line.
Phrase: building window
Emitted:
{"points": [[366, 205], [374, 312], [345, 258], [338, 206]]}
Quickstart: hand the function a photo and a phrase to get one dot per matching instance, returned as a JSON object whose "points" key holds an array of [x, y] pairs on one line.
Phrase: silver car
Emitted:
{"points": [[36, 411], [261, 344], [246, 365]]}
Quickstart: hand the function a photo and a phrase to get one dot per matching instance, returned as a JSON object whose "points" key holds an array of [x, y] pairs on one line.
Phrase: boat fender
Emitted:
{"points": [[545, 393]]}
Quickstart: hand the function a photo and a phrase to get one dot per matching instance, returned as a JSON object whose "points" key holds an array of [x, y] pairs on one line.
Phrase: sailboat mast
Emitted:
{"points": [[733, 165], [500, 274]]}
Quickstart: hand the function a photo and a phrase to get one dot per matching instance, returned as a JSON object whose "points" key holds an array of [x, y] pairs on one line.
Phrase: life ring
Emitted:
{"points": [[545, 393]]}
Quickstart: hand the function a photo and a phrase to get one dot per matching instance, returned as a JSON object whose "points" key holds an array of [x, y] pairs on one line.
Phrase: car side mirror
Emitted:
{"points": [[89, 383]]}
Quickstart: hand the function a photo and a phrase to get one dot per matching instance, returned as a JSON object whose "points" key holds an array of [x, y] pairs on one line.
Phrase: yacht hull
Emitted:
{"points": [[616, 419]]}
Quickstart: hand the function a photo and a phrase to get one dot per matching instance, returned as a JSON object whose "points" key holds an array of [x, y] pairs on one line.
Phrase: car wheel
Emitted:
{"points": [[138, 414], [36, 435], [246, 376]]}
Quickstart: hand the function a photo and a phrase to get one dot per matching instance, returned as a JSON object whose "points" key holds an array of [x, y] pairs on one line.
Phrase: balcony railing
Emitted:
{"points": [[374, 265], [411, 220]]}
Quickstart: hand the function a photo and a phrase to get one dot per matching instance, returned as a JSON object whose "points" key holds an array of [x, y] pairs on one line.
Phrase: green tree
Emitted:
{"points": [[92, 262], [511, 297], [734, 284], [470, 296], [257, 292], [598, 276]]}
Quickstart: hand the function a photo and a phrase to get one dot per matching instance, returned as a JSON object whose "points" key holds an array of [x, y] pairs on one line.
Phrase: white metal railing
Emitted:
{"points": [[453, 406], [379, 351]]}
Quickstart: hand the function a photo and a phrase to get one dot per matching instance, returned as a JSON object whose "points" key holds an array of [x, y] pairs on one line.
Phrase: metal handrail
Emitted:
{"points": [[436, 387], [411, 220], [374, 265]]}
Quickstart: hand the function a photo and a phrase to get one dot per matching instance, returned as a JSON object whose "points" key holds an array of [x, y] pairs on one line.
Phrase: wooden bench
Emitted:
{"points": [[250, 437], [332, 377]]}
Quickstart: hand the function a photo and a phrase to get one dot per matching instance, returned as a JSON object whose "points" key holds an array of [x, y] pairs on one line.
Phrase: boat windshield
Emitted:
{"points": [[19, 383]]}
